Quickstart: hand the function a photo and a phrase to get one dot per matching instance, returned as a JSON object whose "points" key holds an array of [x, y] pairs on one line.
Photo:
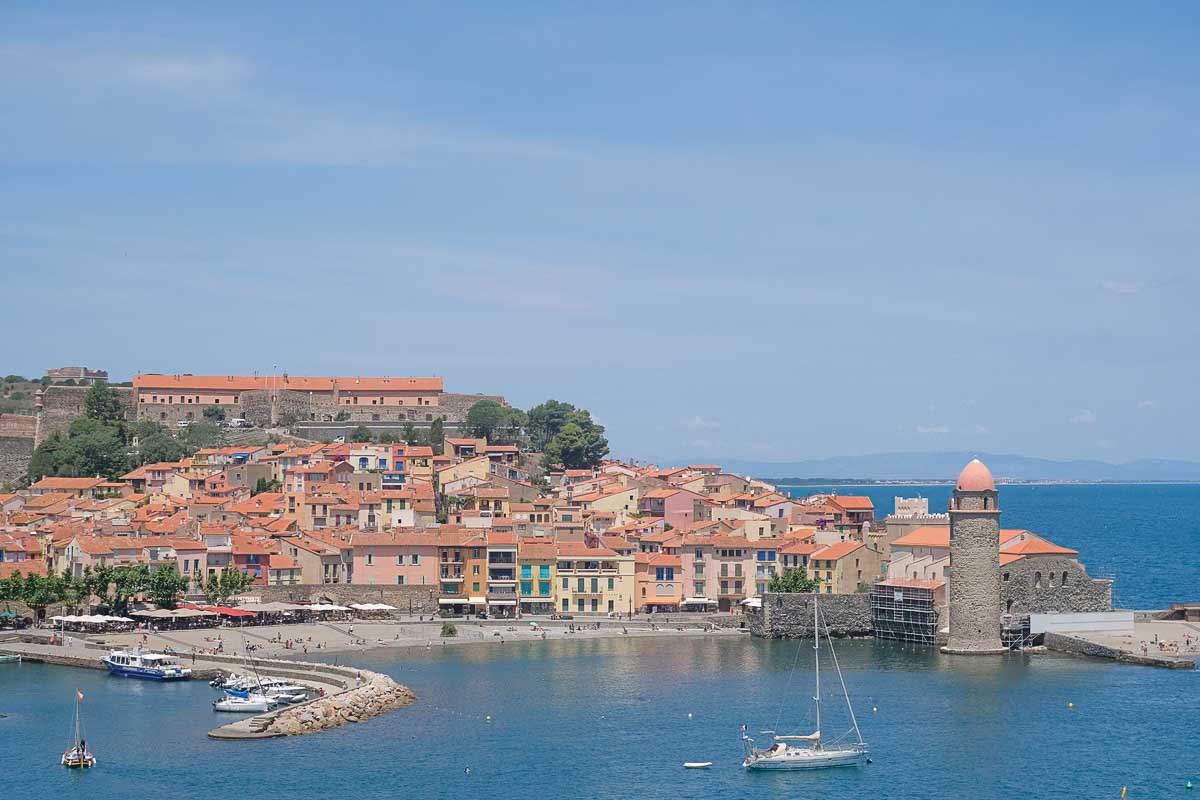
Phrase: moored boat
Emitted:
{"points": [[254, 704], [807, 751], [140, 664]]}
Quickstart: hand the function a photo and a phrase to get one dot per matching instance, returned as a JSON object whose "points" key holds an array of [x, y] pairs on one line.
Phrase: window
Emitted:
{"points": [[1037, 580], [610, 606], [544, 588], [737, 570], [580, 585], [526, 588], [475, 586], [595, 585], [544, 572], [475, 569], [399, 580], [580, 603], [737, 587], [1064, 580], [414, 559], [370, 559], [610, 581], [565, 605], [1007, 576], [399, 561], [526, 571], [565, 585]]}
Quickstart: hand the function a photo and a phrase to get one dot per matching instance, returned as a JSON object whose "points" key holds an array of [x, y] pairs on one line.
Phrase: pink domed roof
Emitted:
{"points": [[976, 477]]}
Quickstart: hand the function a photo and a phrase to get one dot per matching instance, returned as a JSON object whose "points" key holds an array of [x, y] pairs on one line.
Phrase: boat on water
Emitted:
{"points": [[809, 750], [77, 756], [239, 703], [140, 664], [10, 658]]}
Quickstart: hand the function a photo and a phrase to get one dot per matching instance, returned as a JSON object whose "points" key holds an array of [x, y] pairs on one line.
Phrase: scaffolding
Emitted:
{"points": [[1014, 632], [904, 613]]}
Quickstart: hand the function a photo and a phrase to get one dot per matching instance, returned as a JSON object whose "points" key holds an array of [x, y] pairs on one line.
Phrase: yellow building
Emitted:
{"points": [[593, 580], [842, 567], [476, 467]]}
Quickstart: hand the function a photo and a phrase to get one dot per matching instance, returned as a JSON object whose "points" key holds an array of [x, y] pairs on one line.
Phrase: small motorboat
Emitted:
{"points": [[697, 764], [251, 704]]}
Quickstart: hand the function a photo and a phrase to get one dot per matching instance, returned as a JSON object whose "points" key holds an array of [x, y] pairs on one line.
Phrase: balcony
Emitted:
{"points": [[501, 577], [502, 592]]}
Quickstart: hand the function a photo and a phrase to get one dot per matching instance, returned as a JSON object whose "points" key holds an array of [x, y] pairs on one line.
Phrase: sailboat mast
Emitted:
{"points": [[817, 662], [76, 718]]}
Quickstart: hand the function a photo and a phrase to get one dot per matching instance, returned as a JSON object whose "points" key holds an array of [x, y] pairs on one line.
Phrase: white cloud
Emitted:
{"points": [[699, 423], [981, 429], [1145, 404], [933, 429], [1084, 417], [1123, 287], [183, 71]]}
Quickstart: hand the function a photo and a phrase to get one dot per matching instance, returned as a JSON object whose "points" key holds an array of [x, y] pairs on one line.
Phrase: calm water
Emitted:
{"points": [[1147, 537], [608, 719]]}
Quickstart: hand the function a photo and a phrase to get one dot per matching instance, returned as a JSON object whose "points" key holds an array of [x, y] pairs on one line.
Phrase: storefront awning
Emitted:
{"points": [[477, 600], [451, 601], [699, 601], [502, 602]]}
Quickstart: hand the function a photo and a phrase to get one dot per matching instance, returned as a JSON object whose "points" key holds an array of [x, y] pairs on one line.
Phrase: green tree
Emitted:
{"points": [[38, 592], [794, 580], [361, 434], [579, 444], [12, 588], [485, 418], [437, 436], [156, 443], [388, 437], [46, 457], [103, 404], [165, 586], [410, 433], [227, 583], [546, 420], [214, 413], [93, 447], [199, 435], [264, 485], [14, 379], [342, 416], [74, 590]]}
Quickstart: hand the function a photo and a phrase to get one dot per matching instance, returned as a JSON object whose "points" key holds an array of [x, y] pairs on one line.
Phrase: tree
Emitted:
{"points": [[485, 418], [361, 434], [410, 433], [214, 413], [165, 586], [14, 379], [579, 444], [93, 447], [103, 404], [437, 436], [793, 580], [388, 437], [199, 435], [46, 457], [546, 420], [156, 444], [264, 485], [12, 588], [342, 416], [227, 583], [38, 592]]}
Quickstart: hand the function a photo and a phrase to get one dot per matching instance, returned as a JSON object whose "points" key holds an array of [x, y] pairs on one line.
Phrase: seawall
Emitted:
{"points": [[790, 616], [1062, 643]]}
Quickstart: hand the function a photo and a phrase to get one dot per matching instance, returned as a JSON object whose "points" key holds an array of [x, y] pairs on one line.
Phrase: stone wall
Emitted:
{"points": [[62, 405], [377, 694], [407, 599], [975, 573], [1036, 586], [17, 432], [790, 616]]}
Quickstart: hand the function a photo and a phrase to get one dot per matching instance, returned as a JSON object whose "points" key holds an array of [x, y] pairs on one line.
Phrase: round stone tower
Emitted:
{"points": [[974, 564]]}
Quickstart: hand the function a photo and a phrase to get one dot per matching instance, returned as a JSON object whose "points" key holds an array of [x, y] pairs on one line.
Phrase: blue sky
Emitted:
{"points": [[757, 231]]}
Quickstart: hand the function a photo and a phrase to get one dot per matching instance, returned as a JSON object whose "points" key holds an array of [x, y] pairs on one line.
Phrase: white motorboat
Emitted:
{"points": [[807, 751], [255, 703]]}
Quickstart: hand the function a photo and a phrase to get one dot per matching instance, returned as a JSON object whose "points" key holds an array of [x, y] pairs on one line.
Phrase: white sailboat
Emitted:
{"points": [[808, 751], [77, 756]]}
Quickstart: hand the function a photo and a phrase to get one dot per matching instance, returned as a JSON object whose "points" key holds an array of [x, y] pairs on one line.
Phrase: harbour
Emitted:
{"points": [[935, 725]]}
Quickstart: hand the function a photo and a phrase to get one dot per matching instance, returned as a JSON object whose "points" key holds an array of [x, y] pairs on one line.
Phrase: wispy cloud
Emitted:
{"points": [[698, 423], [1145, 404], [933, 429], [981, 429], [1084, 417], [1123, 287]]}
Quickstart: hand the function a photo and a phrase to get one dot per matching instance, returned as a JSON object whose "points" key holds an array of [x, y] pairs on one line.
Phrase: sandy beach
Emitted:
{"points": [[359, 636]]}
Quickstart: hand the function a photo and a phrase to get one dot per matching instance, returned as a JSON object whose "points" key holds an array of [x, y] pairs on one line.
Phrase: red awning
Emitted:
{"points": [[229, 612]]}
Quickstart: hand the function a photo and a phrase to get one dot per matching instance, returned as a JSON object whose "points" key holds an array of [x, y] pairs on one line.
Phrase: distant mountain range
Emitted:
{"points": [[946, 466]]}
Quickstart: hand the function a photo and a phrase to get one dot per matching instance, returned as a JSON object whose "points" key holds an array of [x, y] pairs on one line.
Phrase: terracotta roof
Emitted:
{"points": [[581, 550], [231, 383], [501, 538], [67, 483], [1036, 545], [278, 561], [30, 566], [665, 560], [657, 494], [852, 502], [836, 551], [536, 550]]}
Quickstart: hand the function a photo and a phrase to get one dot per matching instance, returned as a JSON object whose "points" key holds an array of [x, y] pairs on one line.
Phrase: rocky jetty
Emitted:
{"points": [[376, 694]]}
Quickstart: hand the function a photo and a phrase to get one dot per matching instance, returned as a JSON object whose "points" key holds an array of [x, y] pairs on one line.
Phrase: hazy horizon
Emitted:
{"points": [[763, 233]]}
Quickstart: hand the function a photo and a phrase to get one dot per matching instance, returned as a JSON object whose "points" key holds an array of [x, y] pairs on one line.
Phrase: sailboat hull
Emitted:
{"points": [[796, 759]]}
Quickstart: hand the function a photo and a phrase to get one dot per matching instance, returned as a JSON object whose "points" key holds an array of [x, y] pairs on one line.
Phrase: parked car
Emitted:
{"points": [[561, 616], [238, 422], [183, 423]]}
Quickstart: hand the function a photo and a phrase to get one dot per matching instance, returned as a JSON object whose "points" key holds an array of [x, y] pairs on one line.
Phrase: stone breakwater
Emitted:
{"points": [[377, 694]]}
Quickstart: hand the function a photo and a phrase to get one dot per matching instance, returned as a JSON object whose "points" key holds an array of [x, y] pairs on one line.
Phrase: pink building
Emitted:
{"points": [[677, 507], [405, 558]]}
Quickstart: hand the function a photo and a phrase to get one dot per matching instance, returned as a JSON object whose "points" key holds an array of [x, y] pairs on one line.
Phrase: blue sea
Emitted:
{"points": [[609, 718]]}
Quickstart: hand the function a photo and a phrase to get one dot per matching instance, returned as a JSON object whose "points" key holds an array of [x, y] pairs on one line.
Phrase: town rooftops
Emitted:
{"points": [[67, 484], [853, 502]]}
